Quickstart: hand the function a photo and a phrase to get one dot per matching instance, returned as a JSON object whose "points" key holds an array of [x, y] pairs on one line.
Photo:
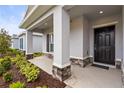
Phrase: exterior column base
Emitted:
{"points": [[61, 73], [118, 64], [29, 56], [49, 56]]}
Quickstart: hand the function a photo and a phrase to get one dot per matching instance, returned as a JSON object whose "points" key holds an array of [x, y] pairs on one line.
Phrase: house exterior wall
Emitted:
{"points": [[24, 42], [15, 43], [82, 36], [44, 39], [76, 38], [118, 34], [37, 43], [85, 37], [79, 38], [44, 42]]}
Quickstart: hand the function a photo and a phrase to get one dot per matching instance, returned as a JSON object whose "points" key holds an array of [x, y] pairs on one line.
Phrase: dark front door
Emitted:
{"points": [[104, 45]]}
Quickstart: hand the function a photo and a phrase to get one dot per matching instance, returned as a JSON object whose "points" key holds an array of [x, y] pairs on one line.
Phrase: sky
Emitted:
{"points": [[11, 17]]}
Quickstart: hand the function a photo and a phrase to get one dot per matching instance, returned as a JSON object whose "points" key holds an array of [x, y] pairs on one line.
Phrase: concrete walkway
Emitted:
{"points": [[88, 77], [44, 63]]}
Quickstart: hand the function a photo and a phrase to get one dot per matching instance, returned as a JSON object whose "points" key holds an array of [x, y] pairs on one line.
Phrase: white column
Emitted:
{"points": [[29, 44], [61, 23], [123, 45]]}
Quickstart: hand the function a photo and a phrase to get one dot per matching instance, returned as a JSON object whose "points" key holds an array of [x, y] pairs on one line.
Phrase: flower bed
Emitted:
{"points": [[27, 69], [24, 74]]}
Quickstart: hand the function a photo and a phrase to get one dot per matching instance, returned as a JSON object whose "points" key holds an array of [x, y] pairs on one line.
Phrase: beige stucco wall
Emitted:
{"points": [[118, 34]]}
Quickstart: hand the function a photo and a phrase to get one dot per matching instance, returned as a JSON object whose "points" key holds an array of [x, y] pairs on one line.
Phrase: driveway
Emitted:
{"points": [[88, 77]]}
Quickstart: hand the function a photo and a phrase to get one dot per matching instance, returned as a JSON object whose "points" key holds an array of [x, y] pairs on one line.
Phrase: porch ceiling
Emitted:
{"points": [[35, 13], [43, 25], [92, 11]]}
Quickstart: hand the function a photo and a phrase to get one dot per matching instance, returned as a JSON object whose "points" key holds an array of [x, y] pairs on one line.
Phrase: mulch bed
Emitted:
{"points": [[44, 79]]}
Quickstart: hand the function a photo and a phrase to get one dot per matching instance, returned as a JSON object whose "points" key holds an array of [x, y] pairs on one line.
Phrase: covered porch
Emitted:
{"points": [[73, 36], [88, 77]]}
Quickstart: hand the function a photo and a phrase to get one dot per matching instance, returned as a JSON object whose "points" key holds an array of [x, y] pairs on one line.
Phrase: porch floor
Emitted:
{"points": [[89, 76], [43, 62], [94, 77]]}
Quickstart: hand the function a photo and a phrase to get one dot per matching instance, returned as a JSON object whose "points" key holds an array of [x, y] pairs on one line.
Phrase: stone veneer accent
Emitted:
{"points": [[29, 56], [91, 59], [118, 64], [122, 76], [61, 73], [82, 63], [49, 55]]}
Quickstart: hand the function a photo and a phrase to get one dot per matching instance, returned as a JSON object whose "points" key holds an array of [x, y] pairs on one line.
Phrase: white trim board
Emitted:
{"points": [[81, 58], [106, 24], [118, 60], [111, 66], [49, 53], [76, 57], [28, 15]]}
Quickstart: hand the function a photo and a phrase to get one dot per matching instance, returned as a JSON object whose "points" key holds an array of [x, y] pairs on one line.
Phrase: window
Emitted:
{"points": [[21, 43], [50, 42]]}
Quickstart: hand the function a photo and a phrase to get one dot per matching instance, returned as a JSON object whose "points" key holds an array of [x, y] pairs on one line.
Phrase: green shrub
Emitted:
{"points": [[38, 54], [14, 52], [6, 63], [17, 59], [7, 77], [30, 71], [17, 85], [1, 60], [2, 69]]}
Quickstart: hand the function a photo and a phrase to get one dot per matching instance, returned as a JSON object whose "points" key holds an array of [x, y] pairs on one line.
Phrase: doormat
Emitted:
{"points": [[99, 66]]}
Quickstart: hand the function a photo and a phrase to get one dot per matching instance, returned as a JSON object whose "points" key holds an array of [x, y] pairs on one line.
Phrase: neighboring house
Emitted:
{"points": [[19, 42], [79, 32], [15, 41]]}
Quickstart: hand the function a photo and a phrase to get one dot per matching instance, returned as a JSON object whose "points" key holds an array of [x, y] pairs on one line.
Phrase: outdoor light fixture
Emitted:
{"points": [[101, 12]]}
